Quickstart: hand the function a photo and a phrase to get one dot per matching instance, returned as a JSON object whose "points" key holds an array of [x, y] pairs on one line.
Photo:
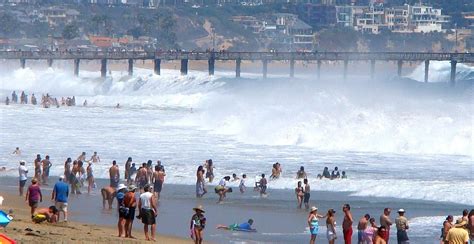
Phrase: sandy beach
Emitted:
{"points": [[63, 232]]}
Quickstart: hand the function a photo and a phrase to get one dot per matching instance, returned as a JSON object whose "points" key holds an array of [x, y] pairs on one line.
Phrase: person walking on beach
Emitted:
{"points": [[37, 163], [114, 174], [22, 171], [299, 194], [401, 223], [90, 178], [447, 224], [148, 212], [347, 223], [198, 223], [386, 222], [263, 186], [313, 223], [331, 226], [33, 196], [361, 226], [128, 165], [130, 202], [158, 180], [60, 196], [307, 193], [46, 164], [200, 182]]}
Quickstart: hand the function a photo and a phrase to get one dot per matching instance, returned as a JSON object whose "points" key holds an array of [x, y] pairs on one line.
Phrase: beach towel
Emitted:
{"points": [[6, 240], [4, 219]]}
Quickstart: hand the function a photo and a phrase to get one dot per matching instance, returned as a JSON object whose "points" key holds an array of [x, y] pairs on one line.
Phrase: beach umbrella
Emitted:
{"points": [[4, 219], [6, 240]]}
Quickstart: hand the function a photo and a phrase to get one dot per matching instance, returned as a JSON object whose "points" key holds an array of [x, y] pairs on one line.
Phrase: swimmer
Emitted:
{"points": [[301, 174], [85, 103], [17, 151], [263, 186], [118, 105], [242, 187], [335, 173], [299, 194], [344, 176], [82, 157], [7, 101], [95, 158], [158, 180], [247, 226], [234, 177]]}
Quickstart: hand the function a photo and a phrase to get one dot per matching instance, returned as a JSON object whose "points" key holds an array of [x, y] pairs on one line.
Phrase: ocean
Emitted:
{"points": [[396, 139]]}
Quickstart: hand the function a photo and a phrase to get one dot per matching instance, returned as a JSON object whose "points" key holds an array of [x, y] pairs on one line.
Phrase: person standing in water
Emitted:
{"points": [[361, 227], [95, 158], [38, 167], [347, 224], [198, 223], [17, 151], [82, 157], [331, 226], [307, 193], [209, 170], [90, 178], [114, 174], [67, 170], [401, 222], [263, 186], [200, 182], [128, 176], [299, 194], [386, 222], [158, 180], [46, 166], [242, 183], [301, 174], [141, 177], [313, 223], [221, 188]]}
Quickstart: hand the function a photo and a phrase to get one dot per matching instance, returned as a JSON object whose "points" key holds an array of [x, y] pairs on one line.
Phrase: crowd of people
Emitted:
{"points": [[46, 100], [141, 190]]}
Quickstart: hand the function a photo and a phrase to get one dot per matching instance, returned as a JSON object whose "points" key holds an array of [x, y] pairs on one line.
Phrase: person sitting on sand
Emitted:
{"points": [[301, 174], [108, 194], [221, 188], [50, 214], [247, 226], [198, 223]]}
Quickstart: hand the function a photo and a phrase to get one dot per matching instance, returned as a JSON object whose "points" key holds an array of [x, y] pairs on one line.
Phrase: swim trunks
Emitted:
{"points": [[148, 217], [347, 235], [306, 197], [157, 186], [22, 183]]}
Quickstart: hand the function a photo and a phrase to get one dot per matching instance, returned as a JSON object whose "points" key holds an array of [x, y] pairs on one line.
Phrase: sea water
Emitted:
{"points": [[395, 139]]}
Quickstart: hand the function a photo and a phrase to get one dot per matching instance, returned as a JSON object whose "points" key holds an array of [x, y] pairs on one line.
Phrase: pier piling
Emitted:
{"points": [[264, 68], [427, 68], [399, 71], [157, 66], [372, 69], [238, 61], [130, 67], [23, 63], [184, 66], [452, 81], [76, 67], [211, 61], [292, 68], [103, 68]]}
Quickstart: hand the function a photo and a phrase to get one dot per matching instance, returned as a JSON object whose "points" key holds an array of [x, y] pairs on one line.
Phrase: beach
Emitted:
{"points": [[403, 144]]}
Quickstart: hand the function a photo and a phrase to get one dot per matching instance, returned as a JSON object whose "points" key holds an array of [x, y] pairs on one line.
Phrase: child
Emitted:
{"points": [[242, 183]]}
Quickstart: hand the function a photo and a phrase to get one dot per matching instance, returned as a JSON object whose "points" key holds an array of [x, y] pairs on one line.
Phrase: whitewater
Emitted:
{"points": [[395, 139]]}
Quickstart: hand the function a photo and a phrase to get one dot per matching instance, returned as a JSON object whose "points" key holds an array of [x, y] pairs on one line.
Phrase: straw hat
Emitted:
{"points": [[199, 208], [313, 208]]}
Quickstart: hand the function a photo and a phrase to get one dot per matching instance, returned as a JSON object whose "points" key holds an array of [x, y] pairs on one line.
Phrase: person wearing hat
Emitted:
{"points": [[130, 202], [60, 196], [122, 210], [401, 222], [198, 223], [22, 171], [458, 234], [313, 222]]}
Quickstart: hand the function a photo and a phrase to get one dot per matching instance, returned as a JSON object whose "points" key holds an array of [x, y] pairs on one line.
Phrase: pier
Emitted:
{"points": [[265, 57]]}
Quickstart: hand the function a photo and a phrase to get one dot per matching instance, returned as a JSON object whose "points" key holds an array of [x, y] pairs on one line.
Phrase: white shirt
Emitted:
{"points": [[222, 182], [22, 170], [145, 198]]}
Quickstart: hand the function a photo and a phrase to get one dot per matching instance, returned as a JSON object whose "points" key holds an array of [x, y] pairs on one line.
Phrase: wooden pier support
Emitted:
{"points": [[292, 68], [427, 68], [264, 67], [346, 64], [452, 81], [103, 68], [23, 63], [50, 62], [157, 66], [238, 62], [130, 67], [399, 71], [211, 61], [76, 66], [184, 66], [319, 69], [372, 69]]}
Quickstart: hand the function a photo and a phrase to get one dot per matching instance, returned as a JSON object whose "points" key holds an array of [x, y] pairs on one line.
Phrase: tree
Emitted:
{"points": [[70, 31]]}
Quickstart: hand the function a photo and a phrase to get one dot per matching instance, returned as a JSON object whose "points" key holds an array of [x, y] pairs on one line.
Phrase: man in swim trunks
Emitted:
{"points": [[46, 166], [114, 175], [95, 158], [38, 167], [363, 222], [158, 180], [247, 226], [263, 186], [386, 222], [347, 224], [108, 195], [307, 193], [141, 177], [401, 222], [128, 176]]}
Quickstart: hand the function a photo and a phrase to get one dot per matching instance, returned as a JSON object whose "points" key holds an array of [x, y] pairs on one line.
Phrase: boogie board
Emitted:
{"points": [[245, 230], [4, 219]]}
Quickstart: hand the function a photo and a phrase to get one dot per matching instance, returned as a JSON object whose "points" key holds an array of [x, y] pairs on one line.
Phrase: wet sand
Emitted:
{"points": [[276, 217]]}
